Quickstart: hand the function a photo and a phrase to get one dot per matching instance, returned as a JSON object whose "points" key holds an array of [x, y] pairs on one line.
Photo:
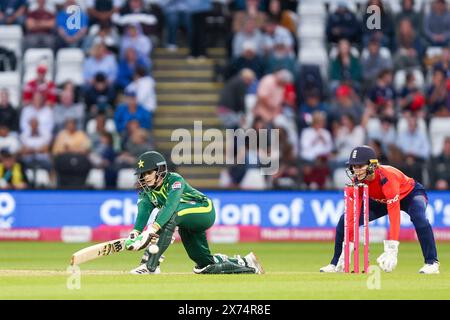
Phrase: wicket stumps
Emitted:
{"points": [[352, 213]]}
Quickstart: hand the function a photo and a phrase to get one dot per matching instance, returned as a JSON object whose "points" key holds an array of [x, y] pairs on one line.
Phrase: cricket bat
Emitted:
{"points": [[97, 251]]}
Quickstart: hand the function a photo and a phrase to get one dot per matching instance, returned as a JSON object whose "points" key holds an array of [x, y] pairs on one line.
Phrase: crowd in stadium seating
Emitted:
{"points": [[383, 86]]}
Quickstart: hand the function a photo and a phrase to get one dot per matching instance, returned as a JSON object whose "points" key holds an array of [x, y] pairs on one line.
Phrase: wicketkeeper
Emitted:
{"points": [[390, 191], [180, 206]]}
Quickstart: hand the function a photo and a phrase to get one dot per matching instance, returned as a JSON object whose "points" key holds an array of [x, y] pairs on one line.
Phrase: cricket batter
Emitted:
{"points": [[390, 191], [180, 206]]}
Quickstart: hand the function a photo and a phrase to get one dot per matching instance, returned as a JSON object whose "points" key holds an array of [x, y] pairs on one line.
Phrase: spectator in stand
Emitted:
{"points": [[8, 115], [149, 15], [316, 145], [385, 32], [68, 109], [12, 12], [440, 168], [101, 11], [313, 102], [249, 34], [415, 146], [248, 9], [346, 102], [68, 35], [8, 140], [35, 152], [284, 17], [105, 33], [137, 144], [280, 57], [231, 108], [444, 62], [100, 96], [144, 85], [438, 95], [382, 97], [249, 59], [45, 87], [198, 11], [410, 50], [99, 127], [12, 172], [347, 136], [71, 140], [374, 62], [103, 156], [134, 38], [343, 24], [409, 13], [131, 110], [127, 67], [39, 110], [270, 95], [276, 34], [387, 135], [436, 24], [40, 25], [176, 14], [411, 100], [100, 60], [288, 174], [377, 146], [345, 67]]}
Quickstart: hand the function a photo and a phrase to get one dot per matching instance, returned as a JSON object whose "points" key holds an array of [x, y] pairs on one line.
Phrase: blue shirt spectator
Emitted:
{"points": [[71, 31], [131, 111], [127, 67], [12, 11], [100, 61]]}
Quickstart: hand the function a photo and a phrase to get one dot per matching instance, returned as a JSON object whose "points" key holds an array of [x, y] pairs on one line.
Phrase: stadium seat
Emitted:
{"points": [[126, 179], [384, 52], [316, 56], [11, 38], [439, 130], [96, 178], [340, 178], [309, 30], [109, 125], [311, 8], [400, 79], [69, 66], [402, 125], [32, 58], [334, 52], [253, 180], [11, 82], [40, 178]]}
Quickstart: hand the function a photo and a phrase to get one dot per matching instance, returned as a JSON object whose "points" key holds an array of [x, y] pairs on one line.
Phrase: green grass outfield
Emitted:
{"points": [[31, 270]]}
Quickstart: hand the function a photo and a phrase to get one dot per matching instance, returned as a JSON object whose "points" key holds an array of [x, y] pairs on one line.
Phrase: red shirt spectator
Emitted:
{"points": [[46, 88]]}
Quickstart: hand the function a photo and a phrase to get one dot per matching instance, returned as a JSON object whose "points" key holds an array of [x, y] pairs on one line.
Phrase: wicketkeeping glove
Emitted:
{"points": [[388, 259]]}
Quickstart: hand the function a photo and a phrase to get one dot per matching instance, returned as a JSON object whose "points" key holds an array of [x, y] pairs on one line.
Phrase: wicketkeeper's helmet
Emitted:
{"points": [[362, 155]]}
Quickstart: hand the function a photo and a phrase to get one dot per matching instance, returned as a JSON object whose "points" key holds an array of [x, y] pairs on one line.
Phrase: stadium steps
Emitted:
{"points": [[187, 92]]}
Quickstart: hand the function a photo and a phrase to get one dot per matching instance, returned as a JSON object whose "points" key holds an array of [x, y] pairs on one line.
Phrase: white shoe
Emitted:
{"points": [[172, 48], [252, 262], [331, 268], [142, 269], [341, 263], [430, 268]]}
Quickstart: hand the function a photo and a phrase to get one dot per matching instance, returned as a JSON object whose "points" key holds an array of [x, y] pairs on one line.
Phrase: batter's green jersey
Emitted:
{"points": [[173, 191]]}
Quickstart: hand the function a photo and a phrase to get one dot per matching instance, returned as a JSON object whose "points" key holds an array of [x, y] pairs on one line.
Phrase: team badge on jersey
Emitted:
{"points": [[176, 185]]}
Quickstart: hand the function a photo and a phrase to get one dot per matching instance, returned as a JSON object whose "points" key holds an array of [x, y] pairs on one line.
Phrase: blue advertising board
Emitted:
{"points": [[55, 209]]}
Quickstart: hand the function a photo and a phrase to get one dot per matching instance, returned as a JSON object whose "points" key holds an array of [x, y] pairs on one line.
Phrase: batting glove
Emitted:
{"points": [[132, 237], [388, 259]]}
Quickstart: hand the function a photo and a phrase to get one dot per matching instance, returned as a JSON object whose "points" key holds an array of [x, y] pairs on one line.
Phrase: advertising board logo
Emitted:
{"points": [[7, 207]]}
